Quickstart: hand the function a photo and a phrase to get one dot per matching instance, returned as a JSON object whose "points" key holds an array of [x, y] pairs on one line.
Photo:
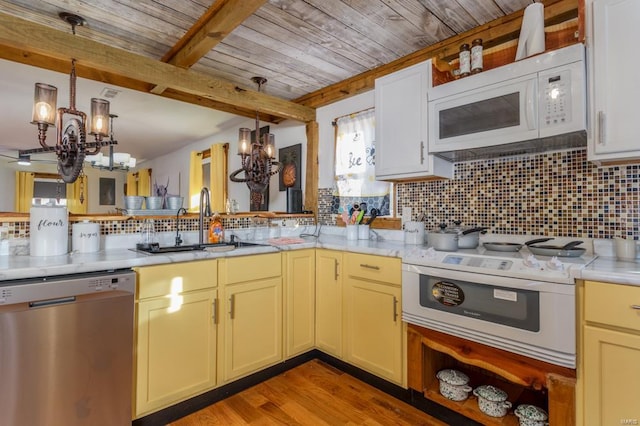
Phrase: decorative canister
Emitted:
{"points": [[530, 415], [414, 232], [48, 231], [85, 237], [492, 401], [454, 384]]}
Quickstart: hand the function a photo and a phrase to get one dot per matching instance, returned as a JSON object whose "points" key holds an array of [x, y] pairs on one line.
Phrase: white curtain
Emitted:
{"points": [[355, 180]]}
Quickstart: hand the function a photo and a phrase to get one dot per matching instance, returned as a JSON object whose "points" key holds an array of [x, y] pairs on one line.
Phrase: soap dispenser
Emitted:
{"points": [[216, 231]]}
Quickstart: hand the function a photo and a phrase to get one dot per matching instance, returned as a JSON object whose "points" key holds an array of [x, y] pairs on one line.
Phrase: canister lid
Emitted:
{"points": [[453, 377], [490, 393]]}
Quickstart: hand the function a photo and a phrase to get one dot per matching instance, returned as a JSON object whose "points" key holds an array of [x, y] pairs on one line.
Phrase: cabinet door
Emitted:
{"points": [[329, 302], [401, 126], [300, 299], [374, 328], [252, 326], [614, 67], [176, 348], [612, 372]]}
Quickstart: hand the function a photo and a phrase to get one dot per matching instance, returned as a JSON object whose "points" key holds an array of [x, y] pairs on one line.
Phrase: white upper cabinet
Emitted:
{"points": [[401, 126], [613, 79]]}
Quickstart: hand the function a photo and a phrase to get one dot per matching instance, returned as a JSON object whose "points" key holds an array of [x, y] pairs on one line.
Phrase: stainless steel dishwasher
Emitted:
{"points": [[66, 349]]}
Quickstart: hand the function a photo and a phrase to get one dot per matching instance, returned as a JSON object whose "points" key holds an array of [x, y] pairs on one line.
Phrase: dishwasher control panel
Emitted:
{"points": [[65, 287]]}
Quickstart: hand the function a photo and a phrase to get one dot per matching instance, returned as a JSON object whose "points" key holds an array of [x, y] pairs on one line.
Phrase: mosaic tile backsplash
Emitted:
{"points": [[558, 194]]}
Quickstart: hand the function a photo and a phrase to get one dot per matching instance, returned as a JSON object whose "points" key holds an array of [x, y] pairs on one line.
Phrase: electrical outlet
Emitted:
{"points": [[406, 214]]}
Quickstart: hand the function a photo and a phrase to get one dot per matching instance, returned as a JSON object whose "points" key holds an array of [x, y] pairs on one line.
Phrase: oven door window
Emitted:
{"points": [[511, 307]]}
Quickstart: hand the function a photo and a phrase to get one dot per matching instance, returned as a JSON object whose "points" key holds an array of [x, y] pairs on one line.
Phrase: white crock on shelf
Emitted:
{"points": [[454, 384], [530, 415], [492, 401]]}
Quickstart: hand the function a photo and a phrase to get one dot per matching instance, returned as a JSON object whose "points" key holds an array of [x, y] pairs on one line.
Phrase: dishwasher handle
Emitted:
{"points": [[52, 302]]}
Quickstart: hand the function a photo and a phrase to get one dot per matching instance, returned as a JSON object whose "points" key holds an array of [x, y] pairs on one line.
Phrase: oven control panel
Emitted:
{"points": [[478, 262]]}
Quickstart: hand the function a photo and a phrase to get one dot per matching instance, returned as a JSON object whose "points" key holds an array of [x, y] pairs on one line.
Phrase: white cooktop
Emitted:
{"points": [[521, 264]]}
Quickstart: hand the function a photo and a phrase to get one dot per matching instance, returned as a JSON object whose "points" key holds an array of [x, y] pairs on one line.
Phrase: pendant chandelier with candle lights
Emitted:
{"points": [[71, 145], [257, 155]]}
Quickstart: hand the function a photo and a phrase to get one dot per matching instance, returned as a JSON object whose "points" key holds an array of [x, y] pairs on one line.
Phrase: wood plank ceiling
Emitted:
{"points": [[300, 46]]}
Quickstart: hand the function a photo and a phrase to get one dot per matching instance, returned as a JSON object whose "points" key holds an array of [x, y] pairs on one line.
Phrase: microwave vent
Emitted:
{"points": [[552, 143]]}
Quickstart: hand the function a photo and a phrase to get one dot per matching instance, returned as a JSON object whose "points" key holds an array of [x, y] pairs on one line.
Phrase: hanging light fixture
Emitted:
{"points": [[257, 155], [71, 145], [115, 160]]}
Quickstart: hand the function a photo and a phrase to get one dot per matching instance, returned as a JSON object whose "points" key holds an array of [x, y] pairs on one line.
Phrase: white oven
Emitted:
{"points": [[507, 302]]}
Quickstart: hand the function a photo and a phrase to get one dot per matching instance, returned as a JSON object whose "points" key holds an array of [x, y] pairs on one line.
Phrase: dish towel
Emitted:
{"points": [[285, 241]]}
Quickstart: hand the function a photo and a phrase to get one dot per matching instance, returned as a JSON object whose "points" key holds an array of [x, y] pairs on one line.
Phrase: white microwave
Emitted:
{"points": [[520, 107]]}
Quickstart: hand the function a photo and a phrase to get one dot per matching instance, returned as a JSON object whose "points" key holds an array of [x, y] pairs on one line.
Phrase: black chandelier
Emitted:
{"points": [[258, 155]]}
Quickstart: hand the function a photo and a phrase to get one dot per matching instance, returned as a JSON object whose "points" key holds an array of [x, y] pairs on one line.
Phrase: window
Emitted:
{"points": [[355, 160], [49, 192]]}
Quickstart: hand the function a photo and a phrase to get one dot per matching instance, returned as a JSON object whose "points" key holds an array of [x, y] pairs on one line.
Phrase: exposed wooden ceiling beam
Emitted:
{"points": [[52, 47], [495, 32], [215, 25]]}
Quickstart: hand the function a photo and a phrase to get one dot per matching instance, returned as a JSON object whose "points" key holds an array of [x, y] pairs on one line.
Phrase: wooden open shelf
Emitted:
{"points": [[525, 380]]}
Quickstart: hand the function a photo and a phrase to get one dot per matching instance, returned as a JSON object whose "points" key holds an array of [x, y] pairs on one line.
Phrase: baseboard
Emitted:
{"points": [[199, 402]]}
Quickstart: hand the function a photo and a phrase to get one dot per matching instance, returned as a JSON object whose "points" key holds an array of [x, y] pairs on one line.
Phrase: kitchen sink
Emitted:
{"points": [[155, 248]]}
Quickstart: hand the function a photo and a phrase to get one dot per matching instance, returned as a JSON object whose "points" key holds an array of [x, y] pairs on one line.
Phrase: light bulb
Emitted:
{"points": [[43, 110]]}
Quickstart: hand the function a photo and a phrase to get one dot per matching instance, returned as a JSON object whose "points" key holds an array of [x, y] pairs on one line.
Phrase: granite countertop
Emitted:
{"points": [[118, 256]]}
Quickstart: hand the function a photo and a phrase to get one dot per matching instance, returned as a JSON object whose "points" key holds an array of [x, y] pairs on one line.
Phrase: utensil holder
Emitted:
{"points": [[352, 232], [363, 232]]}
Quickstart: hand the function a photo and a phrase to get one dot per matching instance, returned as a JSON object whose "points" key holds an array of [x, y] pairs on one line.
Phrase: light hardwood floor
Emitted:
{"points": [[313, 393]]}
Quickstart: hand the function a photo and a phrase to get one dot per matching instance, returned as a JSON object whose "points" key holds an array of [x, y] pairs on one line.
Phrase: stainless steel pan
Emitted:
{"points": [[505, 247], [567, 250]]}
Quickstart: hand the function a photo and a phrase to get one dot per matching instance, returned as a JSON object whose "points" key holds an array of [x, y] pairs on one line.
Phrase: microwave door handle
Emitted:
{"points": [[529, 105]]}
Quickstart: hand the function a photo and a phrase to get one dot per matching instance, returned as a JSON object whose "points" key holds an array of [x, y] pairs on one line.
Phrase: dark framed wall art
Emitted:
{"points": [[291, 174], [107, 191]]}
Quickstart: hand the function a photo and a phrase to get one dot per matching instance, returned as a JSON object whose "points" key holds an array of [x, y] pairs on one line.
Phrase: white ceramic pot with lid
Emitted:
{"points": [[530, 415], [454, 384], [492, 401]]}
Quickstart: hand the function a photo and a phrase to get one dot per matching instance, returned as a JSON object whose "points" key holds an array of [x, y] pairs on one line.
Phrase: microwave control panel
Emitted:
{"points": [[555, 105]]}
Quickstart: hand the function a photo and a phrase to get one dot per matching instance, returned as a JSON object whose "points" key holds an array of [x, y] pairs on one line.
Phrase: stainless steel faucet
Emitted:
{"points": [[178, 237], [205, 198]]}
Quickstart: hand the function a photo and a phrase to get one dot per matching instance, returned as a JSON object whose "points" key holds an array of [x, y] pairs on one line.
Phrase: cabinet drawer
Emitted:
{"points": [[250, 268], [160, 280], [373, 268], [612, 304]]}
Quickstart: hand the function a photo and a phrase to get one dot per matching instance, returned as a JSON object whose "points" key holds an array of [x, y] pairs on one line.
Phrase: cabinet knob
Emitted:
{"points": [[636, 307]]}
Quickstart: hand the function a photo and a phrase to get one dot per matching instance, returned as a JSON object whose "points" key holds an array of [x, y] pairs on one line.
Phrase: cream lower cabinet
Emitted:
{"points": [[300, 300], [374, 331], [176, 333], [329, 296], [251, 314], [611, 351]]}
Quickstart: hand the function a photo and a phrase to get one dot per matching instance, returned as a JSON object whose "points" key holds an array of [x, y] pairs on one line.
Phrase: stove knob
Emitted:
{"points": [[531, 262], [555, 264]]}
